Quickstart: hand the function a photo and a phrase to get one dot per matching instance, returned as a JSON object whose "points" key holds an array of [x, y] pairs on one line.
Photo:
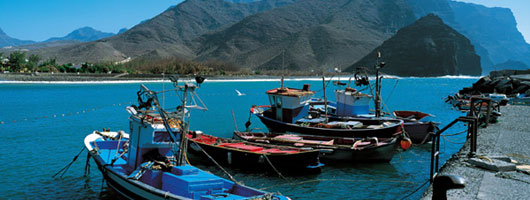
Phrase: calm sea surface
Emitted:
{"points": [[43, 126]]}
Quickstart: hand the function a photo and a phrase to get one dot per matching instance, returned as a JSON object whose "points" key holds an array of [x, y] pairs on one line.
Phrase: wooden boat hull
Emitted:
{"points": [[419, 131], [383, 153], [282, 127], [331, 152], [307, 160]]}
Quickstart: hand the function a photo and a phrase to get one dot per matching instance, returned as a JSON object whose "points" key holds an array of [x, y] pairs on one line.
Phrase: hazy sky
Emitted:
{"points": [[41, 19]]}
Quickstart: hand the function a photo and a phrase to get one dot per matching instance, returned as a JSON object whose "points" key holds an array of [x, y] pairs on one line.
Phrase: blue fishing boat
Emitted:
{"points": [[151, 161], [352, 104], [289, 112]]}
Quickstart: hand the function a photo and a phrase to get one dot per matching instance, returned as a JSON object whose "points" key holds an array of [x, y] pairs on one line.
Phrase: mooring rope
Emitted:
{"points": [[392, 92], [274, 168], [342, 180], [416, 190], [216, 163], [451, 141], [458, 133], [66, 114], [65, 169], [87, 164]]}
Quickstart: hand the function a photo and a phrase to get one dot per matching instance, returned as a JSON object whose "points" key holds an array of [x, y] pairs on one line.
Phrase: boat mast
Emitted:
{"points": [[325, 98], [377, 100], [283, 69], [184, 131]]}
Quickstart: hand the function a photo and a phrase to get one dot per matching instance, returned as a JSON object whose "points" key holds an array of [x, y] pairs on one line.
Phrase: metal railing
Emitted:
{"points": [[477, 105], [472, 124]]}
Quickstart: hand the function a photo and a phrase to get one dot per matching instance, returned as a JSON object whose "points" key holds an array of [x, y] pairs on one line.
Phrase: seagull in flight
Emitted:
{"points": [[239, 93]]}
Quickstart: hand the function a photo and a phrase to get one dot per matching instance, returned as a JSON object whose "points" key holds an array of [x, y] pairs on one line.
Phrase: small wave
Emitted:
{"points": [[449, 77], [83, 82], [213, 80]]}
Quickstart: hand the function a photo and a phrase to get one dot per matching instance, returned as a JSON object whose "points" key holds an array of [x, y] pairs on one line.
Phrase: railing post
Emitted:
{"points": [[435, 138], [472, 128], [480, 100]]}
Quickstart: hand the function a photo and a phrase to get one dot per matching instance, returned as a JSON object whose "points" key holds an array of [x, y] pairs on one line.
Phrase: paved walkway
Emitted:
{"points": [[510, 137]]}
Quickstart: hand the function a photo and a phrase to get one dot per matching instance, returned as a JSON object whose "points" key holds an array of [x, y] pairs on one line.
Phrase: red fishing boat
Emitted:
{"points": [[331, 148], [248, 155]]}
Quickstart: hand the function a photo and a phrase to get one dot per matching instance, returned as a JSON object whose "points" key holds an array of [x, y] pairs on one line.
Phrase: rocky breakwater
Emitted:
{"points": [[509, 85]]}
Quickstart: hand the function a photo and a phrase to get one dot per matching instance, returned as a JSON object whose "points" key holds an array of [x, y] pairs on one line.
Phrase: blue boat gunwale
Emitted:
{"points": [[105, 168]]}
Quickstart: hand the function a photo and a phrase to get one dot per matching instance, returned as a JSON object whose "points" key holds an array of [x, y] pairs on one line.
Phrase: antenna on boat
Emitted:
{"points": [[377, 100], [163, 88], [325, 97], [283, 68]]}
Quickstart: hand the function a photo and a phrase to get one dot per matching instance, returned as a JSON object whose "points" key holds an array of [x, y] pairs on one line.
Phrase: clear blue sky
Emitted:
{"points": [[41, 19]]}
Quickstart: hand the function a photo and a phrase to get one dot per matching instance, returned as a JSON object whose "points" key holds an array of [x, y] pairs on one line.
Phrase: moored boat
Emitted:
{"points": [[289, 112], [254, 156], [149, 163], [331, 148], [352, 104], [418, 131]]}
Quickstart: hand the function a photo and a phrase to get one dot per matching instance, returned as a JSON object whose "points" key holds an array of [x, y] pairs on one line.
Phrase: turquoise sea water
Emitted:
{"points": [[42, 127]]}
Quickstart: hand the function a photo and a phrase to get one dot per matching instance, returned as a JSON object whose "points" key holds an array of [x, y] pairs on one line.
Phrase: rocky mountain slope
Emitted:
{"points": [[6, 41], [164, 35], [495, 29], [307, 35], [311, 35], [492, 31], [426, 48]]}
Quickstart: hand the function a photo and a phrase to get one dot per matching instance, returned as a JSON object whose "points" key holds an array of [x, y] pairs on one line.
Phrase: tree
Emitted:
{"points": [[33, 61], [17, 60]]}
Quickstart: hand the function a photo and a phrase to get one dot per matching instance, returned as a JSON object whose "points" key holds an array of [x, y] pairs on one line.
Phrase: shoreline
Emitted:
{"points": [[136, 78], [506, 139]]}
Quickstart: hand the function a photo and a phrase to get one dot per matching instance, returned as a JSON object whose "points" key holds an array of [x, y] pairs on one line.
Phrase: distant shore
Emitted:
{"points": [[74, 77], [90, 77]]}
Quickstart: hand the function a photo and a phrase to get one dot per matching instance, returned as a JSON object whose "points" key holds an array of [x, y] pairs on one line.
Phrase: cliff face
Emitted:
{"points": [[492, 31], [427, 47], [495, 29]]}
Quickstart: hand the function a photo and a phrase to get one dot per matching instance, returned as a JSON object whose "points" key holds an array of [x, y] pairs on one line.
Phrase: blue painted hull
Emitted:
{"points": [[173, 182]]}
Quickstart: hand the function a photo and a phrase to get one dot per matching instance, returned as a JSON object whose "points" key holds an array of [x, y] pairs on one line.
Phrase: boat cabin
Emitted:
{"points": [[350, 102], [289, 104], [148, 135]]}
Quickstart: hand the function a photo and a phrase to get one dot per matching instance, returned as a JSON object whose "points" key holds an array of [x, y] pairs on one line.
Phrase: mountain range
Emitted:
{"points": [[84, 34], [5, 40], [297, 34]]}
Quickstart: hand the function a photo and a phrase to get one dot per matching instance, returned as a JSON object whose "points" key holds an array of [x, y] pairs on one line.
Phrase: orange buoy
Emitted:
{"points": [[405, 143]]}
